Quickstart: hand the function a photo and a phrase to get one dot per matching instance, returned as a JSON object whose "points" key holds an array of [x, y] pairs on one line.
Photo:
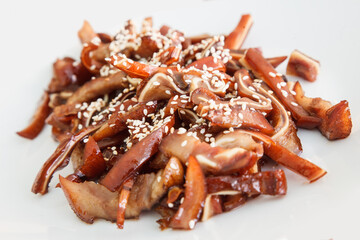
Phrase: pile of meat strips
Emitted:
{"points": [[155, 120]]}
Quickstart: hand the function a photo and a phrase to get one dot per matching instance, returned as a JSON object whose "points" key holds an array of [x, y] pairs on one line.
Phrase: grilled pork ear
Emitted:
{"points": [[262, 69], [90, 200], [212, 159], [195, 193], [336, 119], [38, 121], [160, 86], [284, 128], [303, 66]]}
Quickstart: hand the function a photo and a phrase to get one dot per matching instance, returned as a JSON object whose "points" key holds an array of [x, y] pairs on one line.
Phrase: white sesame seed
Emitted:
{"points": [[176, 97], [284, 93], [171, 111], [145, 112], [191, 224], [294, 104], [168, 92], [170, 205], [181, 131], [283, 84], [245, 77], [156, 83], [272, 74], [241, 116], [293, 92], [181, 200], [183, 144]]}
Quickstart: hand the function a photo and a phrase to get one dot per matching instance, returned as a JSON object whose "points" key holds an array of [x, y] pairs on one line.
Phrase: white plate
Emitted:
{"points": [[33, 36]]}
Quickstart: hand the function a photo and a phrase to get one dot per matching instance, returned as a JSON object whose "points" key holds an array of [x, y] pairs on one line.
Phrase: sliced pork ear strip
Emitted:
{"points": [[212, 159], [336, 119]]}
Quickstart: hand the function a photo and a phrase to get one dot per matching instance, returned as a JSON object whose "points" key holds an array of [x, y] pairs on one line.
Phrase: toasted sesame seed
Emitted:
{"points": [[272, 74], [181, 131], [284, 93]]}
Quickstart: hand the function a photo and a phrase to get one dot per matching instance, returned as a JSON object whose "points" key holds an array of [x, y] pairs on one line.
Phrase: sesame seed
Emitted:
{"points": [[181, 200], [170, 205], [168, 92], [171, 111], [283, 84], [85, 140], [284, 93], [293, 92], [156, 83], [245, 77], [181, 131], [294, 104], [241, 116], [272, 74], [183, 144], [145, 112]]}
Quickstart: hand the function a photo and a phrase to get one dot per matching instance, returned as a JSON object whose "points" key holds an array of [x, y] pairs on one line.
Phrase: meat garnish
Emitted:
{"points": [[86, 33], [155, 120], [98, 87], [89, 200], [237, 37], [38, 121], [288, 159], [123, 202], [150, 188], [136, 157], [302, 66], [336, 119], [284, 128], [195, 192], [94, 164], [269, 182], [117, 121], [254, 61], [58, 160], [212, 159], [68, 75], [158, 87]]}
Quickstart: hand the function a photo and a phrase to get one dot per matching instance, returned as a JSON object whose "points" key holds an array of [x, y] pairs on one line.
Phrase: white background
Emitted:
{"points": [[35, 33]]}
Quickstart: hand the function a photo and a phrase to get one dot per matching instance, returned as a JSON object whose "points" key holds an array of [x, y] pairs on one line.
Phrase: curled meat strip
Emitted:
{"points": [[284, 128], [286, 158], [90, 200], [234, 113], [336, 119], [58, 160], [38, 121], [213, 160], [254, 61]]}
